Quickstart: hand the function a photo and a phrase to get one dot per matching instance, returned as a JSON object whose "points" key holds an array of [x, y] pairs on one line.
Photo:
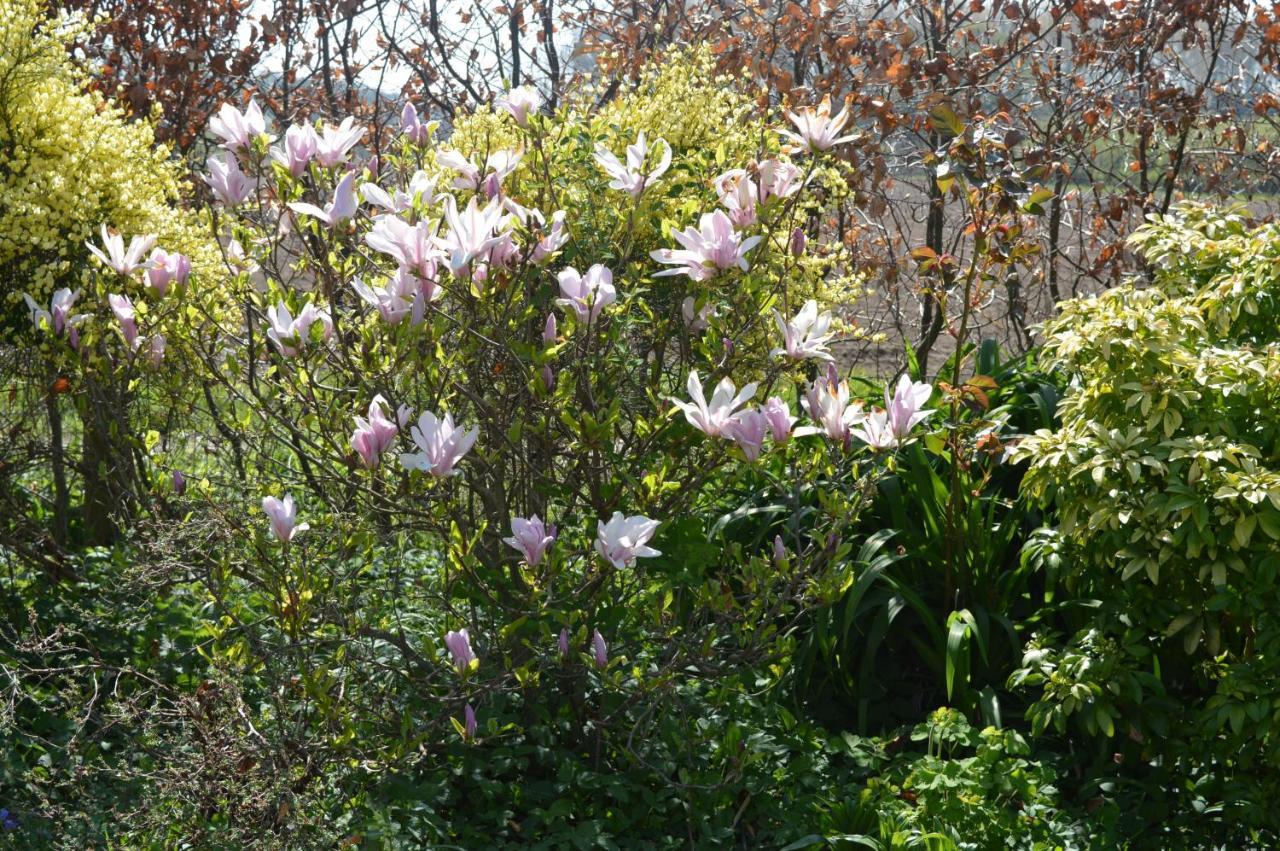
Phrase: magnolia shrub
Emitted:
{"points": [[541, 416]]}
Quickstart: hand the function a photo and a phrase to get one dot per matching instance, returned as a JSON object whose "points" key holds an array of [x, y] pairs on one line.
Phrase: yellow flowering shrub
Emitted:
{"points": [[712, 122], [69, 162]]}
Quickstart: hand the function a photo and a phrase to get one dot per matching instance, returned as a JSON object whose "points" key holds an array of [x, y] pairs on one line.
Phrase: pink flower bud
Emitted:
{"points": [[469, 722], [798, 242], [564, 643], [531, 537], [549, 378], [779, 550], [492, 186], [778, 416], [599, 649], [179, 483], [459, 646], [549, 330]]}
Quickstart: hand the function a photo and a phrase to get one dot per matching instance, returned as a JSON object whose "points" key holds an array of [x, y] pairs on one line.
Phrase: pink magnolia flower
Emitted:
{"points": [[778, 179], [237, 129], [905, 405], [827, 401], [422, 188], [696, 319], [550, 240], [623, 539], [337, 211], [817, 129], [58, 317], [458, 643], [531, 537], [423, 290], [393, 301], [283, 515], [442, 445], [166, 269], [468, 171], [335, 143], [549, 330], [291, 335], [469, 722], [739, 196], [748, 430], [714, 417], [632, 178], [122, 307], [806, 335], [374, 434], [179, 483], [520, 102], [553, 240], [379, 197], [416, 130], [498, 167], [779, 550], [875, 431], [563, 643], [239, 259], [778, 416], [588, 295], [123, 262], [412, 246], [228, 182], [298, 150], [599, 650], [707, 250], [471, 233], [503, 253]]}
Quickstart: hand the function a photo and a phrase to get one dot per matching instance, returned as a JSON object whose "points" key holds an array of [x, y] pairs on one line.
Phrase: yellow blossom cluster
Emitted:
{"points": [[69, 162]]}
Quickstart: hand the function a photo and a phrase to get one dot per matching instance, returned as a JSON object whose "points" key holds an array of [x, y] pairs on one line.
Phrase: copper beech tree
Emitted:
{"points": [[182, 57], [1128, 106]]}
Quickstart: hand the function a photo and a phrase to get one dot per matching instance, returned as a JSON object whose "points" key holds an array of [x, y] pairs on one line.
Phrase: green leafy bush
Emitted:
{"points": [[1165, 478]]}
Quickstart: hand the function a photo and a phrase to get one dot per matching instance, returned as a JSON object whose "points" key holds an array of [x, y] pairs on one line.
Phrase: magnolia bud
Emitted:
{"points": [[492, 187], [798, 242], [599, 649], [469, 722]]}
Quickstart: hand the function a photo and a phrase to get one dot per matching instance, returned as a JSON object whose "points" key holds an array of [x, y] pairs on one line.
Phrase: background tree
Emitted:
{"points": [[180, 57], [1127, 106]]}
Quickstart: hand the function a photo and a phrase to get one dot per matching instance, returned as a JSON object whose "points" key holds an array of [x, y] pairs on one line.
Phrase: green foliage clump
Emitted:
{"points": [[1165, 477]]}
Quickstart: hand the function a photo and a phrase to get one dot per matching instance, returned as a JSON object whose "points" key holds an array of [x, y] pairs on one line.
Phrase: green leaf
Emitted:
{"points": [[957, 644]]}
